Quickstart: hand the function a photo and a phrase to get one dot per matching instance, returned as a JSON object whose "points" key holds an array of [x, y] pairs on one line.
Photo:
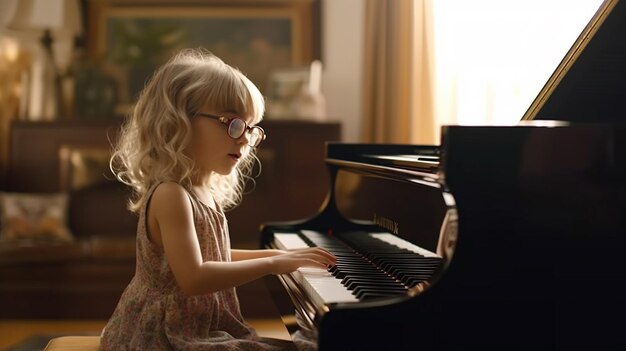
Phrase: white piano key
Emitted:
{"points": [[289, 241], [324, 286], [401, 243], [319, 284]]}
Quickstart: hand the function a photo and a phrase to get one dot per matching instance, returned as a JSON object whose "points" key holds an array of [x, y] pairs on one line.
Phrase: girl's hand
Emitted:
{"points": [[310, 257]]}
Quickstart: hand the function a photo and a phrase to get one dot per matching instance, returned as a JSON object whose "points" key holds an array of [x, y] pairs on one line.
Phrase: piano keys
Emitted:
{"points": [[369, 265]]}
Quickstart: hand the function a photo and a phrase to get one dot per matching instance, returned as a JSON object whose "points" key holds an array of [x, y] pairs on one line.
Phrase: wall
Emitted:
{"points": [[342, 55]]}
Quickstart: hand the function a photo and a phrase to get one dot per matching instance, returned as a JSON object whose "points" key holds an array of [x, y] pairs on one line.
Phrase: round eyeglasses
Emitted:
{"points": [[237, 127]]}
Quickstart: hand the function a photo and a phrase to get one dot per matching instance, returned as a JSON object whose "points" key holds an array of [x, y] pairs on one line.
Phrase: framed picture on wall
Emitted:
{"points": [[135, 37], [83, 166]]}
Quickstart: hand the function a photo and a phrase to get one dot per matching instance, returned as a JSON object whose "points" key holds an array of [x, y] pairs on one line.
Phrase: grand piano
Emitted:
{"points": [[501, 238]]}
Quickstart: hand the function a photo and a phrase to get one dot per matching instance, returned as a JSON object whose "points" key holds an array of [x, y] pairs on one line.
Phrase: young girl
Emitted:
{"points": [[186, 151]]}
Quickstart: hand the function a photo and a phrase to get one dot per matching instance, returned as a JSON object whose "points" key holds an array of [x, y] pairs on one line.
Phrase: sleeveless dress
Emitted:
{"points": [[154, 314]]}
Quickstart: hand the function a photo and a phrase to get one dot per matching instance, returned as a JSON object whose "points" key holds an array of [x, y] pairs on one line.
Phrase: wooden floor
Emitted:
{"points": [[14, 331]]}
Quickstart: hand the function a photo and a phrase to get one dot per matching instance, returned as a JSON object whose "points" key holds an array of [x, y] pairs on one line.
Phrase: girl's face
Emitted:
{"points": [[212, 149]]}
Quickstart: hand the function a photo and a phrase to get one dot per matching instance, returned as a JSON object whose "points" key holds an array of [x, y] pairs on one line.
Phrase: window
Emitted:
{"points": [[492, 57]]}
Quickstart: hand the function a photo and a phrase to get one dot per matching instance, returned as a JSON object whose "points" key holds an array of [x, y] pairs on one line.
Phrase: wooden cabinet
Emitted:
{"points": [[293, 182]]}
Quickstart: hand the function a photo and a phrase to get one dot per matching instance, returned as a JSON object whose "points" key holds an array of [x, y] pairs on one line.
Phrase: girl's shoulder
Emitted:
{"points": [[169, 195], [169, 188]]}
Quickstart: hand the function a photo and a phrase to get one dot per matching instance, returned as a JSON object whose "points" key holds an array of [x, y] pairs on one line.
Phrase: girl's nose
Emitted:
{"points": [[244, 138]]}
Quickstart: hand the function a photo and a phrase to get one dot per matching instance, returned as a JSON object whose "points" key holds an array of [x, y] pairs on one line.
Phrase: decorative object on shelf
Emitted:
{"points": [[255, 36], [310, 102], [83, 166], [46, 88], [47, 28], [284, 85], [95, 92], [295, 93]]}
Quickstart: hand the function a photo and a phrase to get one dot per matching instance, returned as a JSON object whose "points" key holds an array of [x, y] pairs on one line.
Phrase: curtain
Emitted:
{"points": [[398, 77], [434, 62]]}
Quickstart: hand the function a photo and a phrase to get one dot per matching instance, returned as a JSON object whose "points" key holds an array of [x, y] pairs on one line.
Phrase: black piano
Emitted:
{"points": [[501, 238]]}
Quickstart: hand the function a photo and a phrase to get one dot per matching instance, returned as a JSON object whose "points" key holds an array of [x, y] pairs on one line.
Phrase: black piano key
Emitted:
{"points": [[400, 258], [412, 281], [401, 274], [399, 271], [354, 282], [369, 277], [359, 288], [364, 278], [368, 274], [361, 294], [353, 269], [408, 265], [346, 275], [353, 260], [408, 257], [357, 268], [413, 267], [391, 290], [359, 283], [376, 283], [393, 270], [373, 295]]}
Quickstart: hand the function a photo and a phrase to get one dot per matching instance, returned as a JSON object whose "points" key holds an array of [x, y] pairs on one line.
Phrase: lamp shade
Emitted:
{"points": [[7, 12], [58, 16]]}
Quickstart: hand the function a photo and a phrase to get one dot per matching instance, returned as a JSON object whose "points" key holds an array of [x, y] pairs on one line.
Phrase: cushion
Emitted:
{"points": [[28, 219]]}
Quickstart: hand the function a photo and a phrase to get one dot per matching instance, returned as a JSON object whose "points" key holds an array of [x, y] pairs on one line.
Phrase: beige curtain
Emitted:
{"points": [[398, 78]]}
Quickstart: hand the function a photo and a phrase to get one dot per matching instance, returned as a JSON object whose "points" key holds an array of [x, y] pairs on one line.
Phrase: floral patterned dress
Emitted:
{"points": [[154, 314]]}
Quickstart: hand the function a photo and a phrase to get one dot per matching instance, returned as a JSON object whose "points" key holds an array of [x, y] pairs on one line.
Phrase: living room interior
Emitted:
{"points": [[65, 100], [351, 71]]}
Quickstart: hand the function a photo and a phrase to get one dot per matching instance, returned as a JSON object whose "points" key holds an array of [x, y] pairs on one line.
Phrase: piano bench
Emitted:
{"points": [[74, 343]]}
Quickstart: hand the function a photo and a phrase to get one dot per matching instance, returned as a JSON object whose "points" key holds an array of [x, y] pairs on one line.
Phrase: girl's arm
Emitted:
{"points": [[240, 255], [171, 211]]}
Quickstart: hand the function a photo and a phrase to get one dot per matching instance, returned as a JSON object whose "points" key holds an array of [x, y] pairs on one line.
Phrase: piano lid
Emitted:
{"points": [[589, 85], [424, 158]]}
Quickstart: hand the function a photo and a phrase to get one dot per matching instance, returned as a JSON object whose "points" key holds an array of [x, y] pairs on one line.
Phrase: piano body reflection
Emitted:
{"points": [[499, 238]]}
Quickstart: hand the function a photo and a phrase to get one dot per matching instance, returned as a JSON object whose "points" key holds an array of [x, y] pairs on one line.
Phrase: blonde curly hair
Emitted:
{"points": [[152, 142]]}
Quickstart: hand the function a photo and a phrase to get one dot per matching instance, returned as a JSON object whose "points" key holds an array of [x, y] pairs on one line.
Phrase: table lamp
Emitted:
{"points": [[49, 28]]}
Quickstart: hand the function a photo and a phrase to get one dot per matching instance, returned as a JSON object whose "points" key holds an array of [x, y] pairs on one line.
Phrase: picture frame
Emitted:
{"points": [[284, 87], [83, 166], [132, 38]]}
